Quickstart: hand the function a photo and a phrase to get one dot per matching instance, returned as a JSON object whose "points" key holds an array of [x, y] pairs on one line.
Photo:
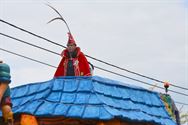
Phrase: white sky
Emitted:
{"points": [[145, 36]]}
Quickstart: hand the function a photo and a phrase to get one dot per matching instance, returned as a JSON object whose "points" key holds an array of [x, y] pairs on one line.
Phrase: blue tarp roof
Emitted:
{"points": [[90, 98]]}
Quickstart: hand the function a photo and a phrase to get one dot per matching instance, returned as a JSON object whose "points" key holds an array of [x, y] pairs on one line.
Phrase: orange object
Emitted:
{"points": [[166, 84], [28, 120], [111, 122]]}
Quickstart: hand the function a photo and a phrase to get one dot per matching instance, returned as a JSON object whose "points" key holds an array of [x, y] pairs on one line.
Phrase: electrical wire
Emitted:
{"points": [[99, 69], [31, 33], [135, 73], [181, 103], [27, 58], [22, 41], [56, 67], [94, 66]]}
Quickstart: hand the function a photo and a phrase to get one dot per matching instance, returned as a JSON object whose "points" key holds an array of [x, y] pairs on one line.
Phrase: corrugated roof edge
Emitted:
{"points": [[94, 78], [110, 82]]}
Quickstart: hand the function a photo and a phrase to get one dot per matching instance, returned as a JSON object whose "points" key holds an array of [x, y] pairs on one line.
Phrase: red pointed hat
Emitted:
{"points": [[71, 39]]}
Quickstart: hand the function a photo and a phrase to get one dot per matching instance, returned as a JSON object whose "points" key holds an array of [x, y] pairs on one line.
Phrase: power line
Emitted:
{"points": [[146, 83], [135, 73], [56, 67], [59, 54], [99, 69], [181, 103], [22, 41], [32, 33], [28, 58]]}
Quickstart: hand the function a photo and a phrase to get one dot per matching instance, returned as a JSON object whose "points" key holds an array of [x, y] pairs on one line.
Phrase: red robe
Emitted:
{"points": [[80, 64]]}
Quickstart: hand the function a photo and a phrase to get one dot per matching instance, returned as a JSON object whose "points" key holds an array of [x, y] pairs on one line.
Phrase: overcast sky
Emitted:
{"points": [[144, 36]]}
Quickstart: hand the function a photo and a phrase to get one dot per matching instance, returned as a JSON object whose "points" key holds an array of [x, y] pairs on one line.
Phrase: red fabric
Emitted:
{"points": [[81, 66], [71, 39], [6, 101]]}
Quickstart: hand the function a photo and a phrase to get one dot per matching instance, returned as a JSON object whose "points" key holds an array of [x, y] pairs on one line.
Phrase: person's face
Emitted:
{"points": [[71, 47]]}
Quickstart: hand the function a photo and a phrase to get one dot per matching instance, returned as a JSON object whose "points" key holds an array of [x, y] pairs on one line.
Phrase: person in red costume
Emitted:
{"points": [[73, 62]]}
